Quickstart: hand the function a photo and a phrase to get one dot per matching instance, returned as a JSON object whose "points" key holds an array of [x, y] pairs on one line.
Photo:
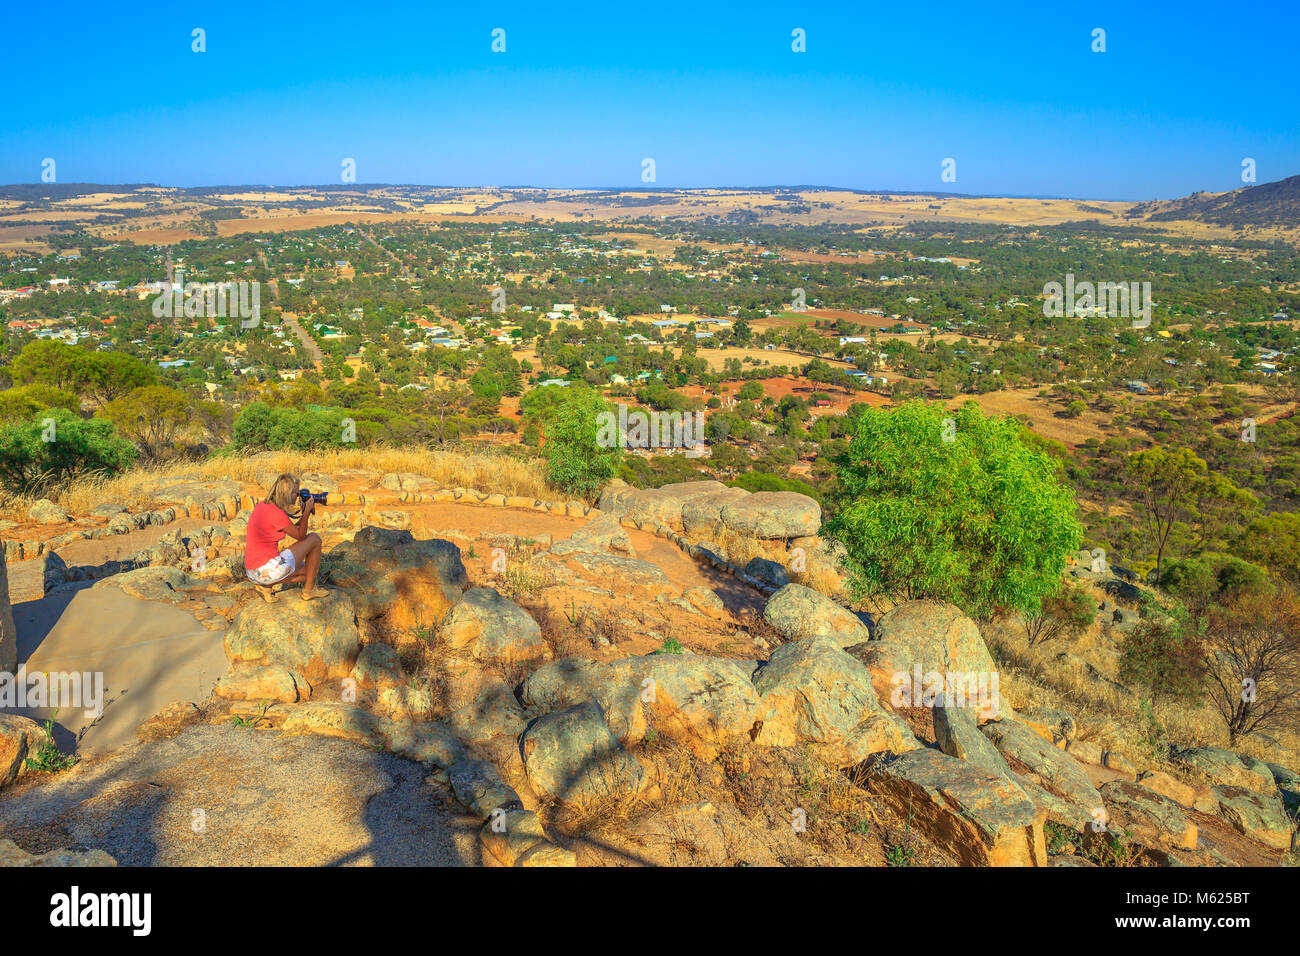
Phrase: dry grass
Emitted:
{"points": [[451, 468], [1141, 728]]}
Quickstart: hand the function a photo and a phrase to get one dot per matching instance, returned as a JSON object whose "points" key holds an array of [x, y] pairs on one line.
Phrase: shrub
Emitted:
{"points": [[577, 462], [982, 520], [1163, 654], [1067, 612], [47, 452], [261, 427]]}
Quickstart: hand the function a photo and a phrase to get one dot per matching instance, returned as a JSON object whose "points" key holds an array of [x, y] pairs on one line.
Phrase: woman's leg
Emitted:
{"points": [[306, 559]]}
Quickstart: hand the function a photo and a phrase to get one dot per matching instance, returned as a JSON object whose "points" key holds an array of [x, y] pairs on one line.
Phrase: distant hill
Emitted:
{"points": [[1268, 204]]}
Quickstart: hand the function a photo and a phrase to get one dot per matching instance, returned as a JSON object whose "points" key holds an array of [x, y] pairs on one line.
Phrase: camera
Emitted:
{"points": [[320, 497]]}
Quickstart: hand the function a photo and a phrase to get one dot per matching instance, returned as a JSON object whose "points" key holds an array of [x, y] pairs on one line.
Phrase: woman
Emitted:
{"points": [[265, 563]]}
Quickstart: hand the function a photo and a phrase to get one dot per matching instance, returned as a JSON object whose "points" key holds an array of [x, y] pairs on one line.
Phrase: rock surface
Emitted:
{"points": [[317, 639], [798, 612]]}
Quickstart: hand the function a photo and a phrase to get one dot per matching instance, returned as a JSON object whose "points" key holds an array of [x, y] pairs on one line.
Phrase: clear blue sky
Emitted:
{"points": [[715, 95]]}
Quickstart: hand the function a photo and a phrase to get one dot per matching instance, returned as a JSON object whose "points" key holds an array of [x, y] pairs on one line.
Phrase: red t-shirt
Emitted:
{"points": [[265, 529]]}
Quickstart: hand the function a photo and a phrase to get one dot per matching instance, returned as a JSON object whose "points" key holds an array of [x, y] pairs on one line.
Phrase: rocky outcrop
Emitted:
{"points": [[572, 758], [1152, 819], [600, 535], [390, 575], [977, 817], [489, 627], [317, 639], [707, 509], [1067, 791], [1227, 768], [704, 703], [798, 612], [1256, 815], [815, 693]]}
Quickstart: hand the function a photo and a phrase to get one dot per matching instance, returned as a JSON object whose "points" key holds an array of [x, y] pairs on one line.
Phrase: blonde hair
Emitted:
{"points": [[283, 493]]}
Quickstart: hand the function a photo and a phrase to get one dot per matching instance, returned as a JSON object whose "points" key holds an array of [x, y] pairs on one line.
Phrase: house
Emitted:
{"points": [[1138, 387], [562, 382]]}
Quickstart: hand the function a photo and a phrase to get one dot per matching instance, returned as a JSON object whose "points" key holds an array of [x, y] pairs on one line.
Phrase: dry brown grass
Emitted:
{"points": [[451, 468], [1139, 727]]}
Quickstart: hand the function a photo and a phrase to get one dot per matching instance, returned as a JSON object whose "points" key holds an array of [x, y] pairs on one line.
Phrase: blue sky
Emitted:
{"points": [[714, 94]]}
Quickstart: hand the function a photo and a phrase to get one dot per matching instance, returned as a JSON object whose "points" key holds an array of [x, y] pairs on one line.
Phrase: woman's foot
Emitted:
{"points": [[268, 594], [309, 595]]}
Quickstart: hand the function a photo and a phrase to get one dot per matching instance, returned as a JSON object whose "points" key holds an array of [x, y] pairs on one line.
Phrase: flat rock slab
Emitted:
{"points": [[264, 798], [149, 653]]}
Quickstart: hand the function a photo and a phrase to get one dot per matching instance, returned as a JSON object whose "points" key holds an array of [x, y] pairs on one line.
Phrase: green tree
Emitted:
{"points": [[954, 506], [1181, 503], [150, 416], [21, 404], [579, 462], [40, 455]]}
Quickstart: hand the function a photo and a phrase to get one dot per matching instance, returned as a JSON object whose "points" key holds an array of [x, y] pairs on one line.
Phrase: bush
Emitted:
{"points": [[764, 481], [1211, 578], [1067, 612], [47, 452], [1164, 656], [261, 427], [982, 520], [577, 462], [21, 404]]}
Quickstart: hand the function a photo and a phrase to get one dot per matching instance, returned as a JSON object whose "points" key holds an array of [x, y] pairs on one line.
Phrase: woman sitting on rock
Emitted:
{"points": [[265, 563]]}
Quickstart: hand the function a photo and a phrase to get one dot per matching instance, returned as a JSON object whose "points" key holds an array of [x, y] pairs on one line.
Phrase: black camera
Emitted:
{"points": [[320, 497]]}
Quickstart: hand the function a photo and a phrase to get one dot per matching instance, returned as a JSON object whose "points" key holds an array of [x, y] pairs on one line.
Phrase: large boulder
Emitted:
{"points": [[798, 612], [490, 627], [772, 514], [704, 703], [1261, 817], [937, 636], [1226, 768], [572, 758], [977, 817], [389, 574], [702, 514], [656, 506], [1154, 819], [8, 635], [815, 693], [317, 639], [1067, 791]]}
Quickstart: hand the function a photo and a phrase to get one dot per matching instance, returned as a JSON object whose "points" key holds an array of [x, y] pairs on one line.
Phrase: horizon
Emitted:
{"points": [[876, 102]]}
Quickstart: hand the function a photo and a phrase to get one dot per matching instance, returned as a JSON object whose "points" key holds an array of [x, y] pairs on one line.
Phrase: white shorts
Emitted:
{"points": [[275, 570]]}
